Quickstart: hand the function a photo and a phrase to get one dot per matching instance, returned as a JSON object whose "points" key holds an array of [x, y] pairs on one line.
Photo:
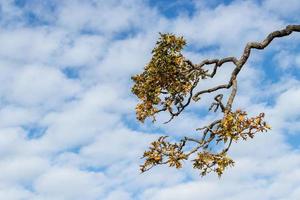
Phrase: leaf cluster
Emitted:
{"points": [[208, 162], [166, 79], [232, 127], [236, 125], [161, 149]]}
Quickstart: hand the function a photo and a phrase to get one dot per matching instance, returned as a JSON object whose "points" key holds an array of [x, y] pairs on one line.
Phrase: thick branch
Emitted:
{"points": [[232, 95], [247, 50]]}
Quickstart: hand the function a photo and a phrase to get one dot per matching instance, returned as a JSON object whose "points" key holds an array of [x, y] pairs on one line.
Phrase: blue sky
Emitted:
{"points": [[67, 123]]}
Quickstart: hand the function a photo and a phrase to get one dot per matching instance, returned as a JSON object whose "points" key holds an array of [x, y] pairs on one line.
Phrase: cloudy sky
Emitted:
{"points": [[67, 123]]}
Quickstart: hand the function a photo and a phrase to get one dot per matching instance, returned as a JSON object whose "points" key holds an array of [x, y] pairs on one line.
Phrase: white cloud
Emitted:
{"points": [[28, 44], [16, 116], [32, 167], [67, 183], [89, 146], [36, 85], [288, 9], [125, 57], [106, 17], [15, 192], [81, 51], [287, 59], [227, 28], [119, 194]]}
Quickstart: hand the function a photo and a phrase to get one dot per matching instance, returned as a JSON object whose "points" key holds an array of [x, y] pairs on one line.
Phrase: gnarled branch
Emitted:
{"points": [[172, 77]]}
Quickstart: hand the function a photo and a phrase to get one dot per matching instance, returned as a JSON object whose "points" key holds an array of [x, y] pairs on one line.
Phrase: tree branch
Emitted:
{"points": [[233, 126], [243, 59]]}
